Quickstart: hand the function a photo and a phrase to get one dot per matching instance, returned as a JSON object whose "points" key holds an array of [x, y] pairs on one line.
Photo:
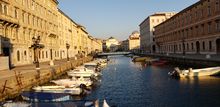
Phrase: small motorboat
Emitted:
{"points": [[16, 104], [73, 82], [83, 72], [195, 72], [59, 89], [45, 97], [141, 59], [159, 62]]}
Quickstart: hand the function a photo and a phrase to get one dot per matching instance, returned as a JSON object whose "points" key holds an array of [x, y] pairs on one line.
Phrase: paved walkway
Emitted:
{"points": [[30, 68]]}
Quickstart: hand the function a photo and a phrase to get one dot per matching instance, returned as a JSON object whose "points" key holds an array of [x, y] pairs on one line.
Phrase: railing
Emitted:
{"points": [[114, 53]]}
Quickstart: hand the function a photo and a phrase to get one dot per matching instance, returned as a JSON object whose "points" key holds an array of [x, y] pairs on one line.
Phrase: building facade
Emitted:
{"points": [[111, 44], [21, 20], [124, 45], [134, 41], [194, 30], [147, 28]]}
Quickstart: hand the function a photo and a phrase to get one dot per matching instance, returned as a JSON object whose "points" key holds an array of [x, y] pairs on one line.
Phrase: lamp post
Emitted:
{"points": [[67, 48], [36, 45]]}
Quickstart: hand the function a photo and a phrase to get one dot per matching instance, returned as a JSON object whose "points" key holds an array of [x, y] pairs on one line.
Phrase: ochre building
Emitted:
{"points": [[21, 20], [147, 28], [134, 41], [194, 30]]}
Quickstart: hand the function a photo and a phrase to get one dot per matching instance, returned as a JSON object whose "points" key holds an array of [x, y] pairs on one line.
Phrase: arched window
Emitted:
{"points": [[5, 9], [18, 56]]}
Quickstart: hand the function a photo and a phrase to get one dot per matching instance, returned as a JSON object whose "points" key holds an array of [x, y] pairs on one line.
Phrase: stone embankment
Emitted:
{"points": [[13, 82], [188, 60]]}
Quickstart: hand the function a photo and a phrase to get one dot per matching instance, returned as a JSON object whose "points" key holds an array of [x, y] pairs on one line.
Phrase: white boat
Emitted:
{"points": [[79, 73], [105, 104], [91, 65], [195, 72], [82, 72], [45, 97], [73, 82], [16, 104], [59, 89]]}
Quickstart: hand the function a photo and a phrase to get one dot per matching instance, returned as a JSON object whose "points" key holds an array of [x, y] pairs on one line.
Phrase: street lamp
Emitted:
{"points": [[36, 45], [67, 47]]}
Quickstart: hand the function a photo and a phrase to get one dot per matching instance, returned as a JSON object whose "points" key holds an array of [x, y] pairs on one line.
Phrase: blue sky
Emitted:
{"points": [[117, 18]]}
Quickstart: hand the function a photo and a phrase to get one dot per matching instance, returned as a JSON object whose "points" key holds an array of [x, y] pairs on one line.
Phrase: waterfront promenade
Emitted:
{"points": [[20, 78], [203, 59]]}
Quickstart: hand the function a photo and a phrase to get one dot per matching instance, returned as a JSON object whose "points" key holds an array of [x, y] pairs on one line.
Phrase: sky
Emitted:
{"points": [[117, 18]]}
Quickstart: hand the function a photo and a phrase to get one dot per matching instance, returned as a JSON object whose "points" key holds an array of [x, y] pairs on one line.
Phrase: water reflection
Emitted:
{"points": [[128, 84]]}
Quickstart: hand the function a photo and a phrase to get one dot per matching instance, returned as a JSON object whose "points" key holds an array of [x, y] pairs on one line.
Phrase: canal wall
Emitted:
{"points": [[12, 86], [186, 60]]}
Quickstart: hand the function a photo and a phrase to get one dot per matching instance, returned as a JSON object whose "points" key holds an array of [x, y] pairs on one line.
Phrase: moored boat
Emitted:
{"points": [[195, 72], [140, 59], [59, 89], [105, 104], [73, 81], [45, 97], [16, 104]]}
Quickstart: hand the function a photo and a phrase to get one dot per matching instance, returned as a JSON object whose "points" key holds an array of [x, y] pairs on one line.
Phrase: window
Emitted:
{"points": [[39, 55], [33, 18], [217, 5], [18, 56], [25, 53], [202, 29], [28, 19], [42, 54], [210, 45], [16, 13], [187, 46], [192, 46], [209, 27], [201, 13], [209, 10], [203, 45], [197, 30], [218, 25], [46, 55], [1, 8], [23, 17], [152, 20], [5, 9]]}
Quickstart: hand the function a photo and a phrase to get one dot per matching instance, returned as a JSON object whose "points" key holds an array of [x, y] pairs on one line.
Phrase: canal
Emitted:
{"points": [[128, 84]]}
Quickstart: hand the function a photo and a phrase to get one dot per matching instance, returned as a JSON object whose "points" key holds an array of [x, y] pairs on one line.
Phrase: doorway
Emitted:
{"points": [[154, 48]]}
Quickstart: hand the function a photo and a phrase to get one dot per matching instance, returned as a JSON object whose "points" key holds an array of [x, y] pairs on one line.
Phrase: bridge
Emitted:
{"points": [[114, 53]]}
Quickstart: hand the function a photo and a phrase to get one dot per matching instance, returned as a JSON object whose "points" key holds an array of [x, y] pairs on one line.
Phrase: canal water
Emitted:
{"points": [[128, 84]]}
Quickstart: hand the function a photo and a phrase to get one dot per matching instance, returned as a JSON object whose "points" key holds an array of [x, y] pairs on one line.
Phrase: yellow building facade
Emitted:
{"points": [[21, 20], [134, 41]]}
